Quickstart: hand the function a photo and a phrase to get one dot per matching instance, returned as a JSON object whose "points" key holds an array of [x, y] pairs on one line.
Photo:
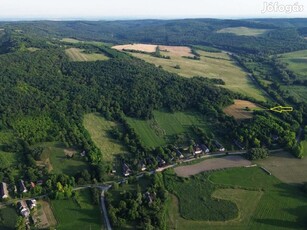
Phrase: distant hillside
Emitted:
{"points": [[175, 32]]}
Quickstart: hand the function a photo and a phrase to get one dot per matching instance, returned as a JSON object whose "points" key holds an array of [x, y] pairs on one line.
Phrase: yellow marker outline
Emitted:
{"points": [[281, 109]]}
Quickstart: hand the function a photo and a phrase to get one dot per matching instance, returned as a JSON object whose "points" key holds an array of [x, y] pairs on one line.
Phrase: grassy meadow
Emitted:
{"points": [[164, 126], [8, 217], [296, 168], [297, 62], [54, 158], [212, 65], [243, 31], [259, 199], [77, 214], [76, 54], [99, 128]]}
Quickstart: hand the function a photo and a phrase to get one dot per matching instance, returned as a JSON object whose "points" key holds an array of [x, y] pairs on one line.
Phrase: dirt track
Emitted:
{"points": [[212, 164]]}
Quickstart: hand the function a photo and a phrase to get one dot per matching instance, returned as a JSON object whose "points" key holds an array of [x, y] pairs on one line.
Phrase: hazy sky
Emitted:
{"points": [[57, 9]]}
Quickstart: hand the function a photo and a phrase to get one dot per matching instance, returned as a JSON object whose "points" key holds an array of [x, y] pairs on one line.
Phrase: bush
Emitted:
{"points": [[257, 153]]}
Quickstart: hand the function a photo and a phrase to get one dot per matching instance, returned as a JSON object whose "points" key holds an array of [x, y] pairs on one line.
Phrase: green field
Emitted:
{"points": [[212, 65], [99, 128], [297, 62], [76, 54], [304, 144], [54, 158], [296, 169], [75, 41], [75, 215], [296, 91], [164, 126], [8, 217], [262, 200], [243, 31]]}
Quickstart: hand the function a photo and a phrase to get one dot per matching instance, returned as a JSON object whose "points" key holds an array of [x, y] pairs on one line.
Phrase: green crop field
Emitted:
{"points": [[212, 65], [8, 217], [76, 54], [297, 62], [162, 128], [243, 31], [99, 128], [296, 169], [54, 158], [80, 214], [262, 201]]}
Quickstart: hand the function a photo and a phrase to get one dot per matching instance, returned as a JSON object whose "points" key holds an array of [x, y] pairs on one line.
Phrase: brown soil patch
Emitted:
{"points": [[238, 109], [43, 216], [177, 50], [140, 47], [212, 164], [45, 163], [173, 50], [69, 152]]}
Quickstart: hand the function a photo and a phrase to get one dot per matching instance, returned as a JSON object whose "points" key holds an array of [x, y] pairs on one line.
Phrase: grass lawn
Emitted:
{"points": [[99, 128], [243, 31], [8, 217], [76, 54], [81, 215], [297, 62], [162, 128], [54, 157], [296, 168], [212, 65], [262, 200]]}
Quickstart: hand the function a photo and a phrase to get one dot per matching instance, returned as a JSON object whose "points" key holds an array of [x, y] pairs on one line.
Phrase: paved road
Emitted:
{"points": [[104, 210]]}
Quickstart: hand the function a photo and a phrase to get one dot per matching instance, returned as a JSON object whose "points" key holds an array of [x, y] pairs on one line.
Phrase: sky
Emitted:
{"points": [[136, 9]]}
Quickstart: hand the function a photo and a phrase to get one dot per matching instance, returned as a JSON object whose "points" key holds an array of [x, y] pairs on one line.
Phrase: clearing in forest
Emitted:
{"points": [[243, 31], [241, 109], [138, 47], [56, 159], [211, 65], [76, 54], [211, 164], [296, 62], [99, 128], [162, 128]]}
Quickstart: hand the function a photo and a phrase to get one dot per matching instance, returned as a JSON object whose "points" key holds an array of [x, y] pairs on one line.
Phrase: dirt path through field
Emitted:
{"points": [[212, 164]]}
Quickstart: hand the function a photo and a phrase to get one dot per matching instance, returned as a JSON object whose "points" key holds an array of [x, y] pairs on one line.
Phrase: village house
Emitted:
{"points": [[239, 145], [23, 209], [204, 148], [161, 161], [179, 154], [197, 150], [126, 170], [22, 187], [219, 146], [143, 166], [3, 190], [31, 203]]}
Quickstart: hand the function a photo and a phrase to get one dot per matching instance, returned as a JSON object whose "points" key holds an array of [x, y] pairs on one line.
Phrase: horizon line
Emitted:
{"points": [[126, 18]]}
